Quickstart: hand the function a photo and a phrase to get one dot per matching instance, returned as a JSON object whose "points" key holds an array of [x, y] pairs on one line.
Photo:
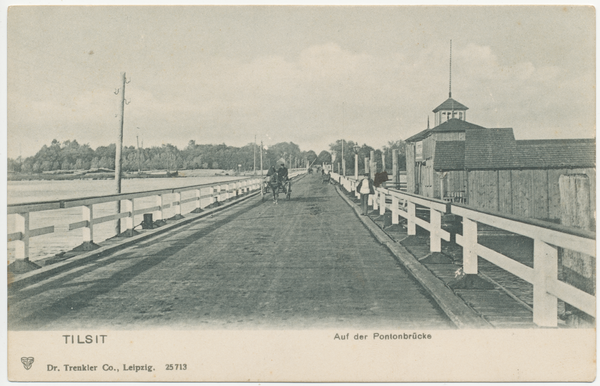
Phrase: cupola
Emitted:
{"points": [[450, 109]]}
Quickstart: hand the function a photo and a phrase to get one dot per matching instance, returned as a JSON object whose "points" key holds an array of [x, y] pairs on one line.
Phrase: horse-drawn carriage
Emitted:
{"points": [[275, 185]]}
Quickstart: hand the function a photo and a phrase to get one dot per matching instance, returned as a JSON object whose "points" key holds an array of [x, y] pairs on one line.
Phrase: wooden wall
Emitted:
{"points": [[410, 167], [450, 136], [529, 193], [428, 147], [505, 201], [428, 179], [454, 181], [554, 196], [483, 189], [428, 184]]}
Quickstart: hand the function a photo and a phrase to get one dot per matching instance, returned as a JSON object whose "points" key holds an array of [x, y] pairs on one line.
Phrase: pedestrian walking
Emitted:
{"points": [[365, 187]]}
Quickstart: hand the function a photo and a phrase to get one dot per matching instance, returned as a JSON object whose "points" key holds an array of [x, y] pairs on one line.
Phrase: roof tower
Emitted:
{"points": [[450, 108]]}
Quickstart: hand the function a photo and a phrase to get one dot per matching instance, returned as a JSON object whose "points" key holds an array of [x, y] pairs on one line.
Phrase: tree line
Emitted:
{"points": [[70, 155], [348, 149]]}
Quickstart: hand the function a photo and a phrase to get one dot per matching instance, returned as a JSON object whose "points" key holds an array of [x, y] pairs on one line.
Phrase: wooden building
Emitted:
{"points": [[487, 168]]}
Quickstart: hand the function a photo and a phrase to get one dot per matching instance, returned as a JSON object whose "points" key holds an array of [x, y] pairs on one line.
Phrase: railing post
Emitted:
{"points": [[375, 199], [88, 215], [159, 213], [411, 227], [128, 206], [469, 232], [22, 246], [177, 204], [545, 266], [395, 209], [435, 225], [198, 199], [381, 203], [207, 200]]}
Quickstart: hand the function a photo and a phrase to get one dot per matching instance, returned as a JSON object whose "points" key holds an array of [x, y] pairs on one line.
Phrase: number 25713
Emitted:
{"points": [[176, 366]]}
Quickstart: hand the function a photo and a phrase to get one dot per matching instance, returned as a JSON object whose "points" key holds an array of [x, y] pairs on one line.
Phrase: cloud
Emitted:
{"points": [[325, 91]]}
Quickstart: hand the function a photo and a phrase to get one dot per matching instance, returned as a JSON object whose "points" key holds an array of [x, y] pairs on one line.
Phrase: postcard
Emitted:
{"points": [[301, 193]]}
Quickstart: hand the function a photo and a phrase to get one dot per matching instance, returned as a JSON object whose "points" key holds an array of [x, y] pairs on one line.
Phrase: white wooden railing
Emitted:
{"points": [[402, 204], [547, 238], [206, 194]]}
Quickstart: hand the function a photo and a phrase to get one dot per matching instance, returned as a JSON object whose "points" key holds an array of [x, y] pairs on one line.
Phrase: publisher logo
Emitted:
{"points": [[27, 362]]}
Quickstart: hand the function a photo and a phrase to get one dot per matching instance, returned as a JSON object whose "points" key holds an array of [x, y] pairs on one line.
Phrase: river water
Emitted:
{"points": [[63, 240]]}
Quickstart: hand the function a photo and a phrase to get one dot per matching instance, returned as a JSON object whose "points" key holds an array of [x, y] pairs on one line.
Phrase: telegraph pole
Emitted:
{"points": [[254, 154], [138, 153], [343, 160], [261, 162], [261, 172], [118, 155]]}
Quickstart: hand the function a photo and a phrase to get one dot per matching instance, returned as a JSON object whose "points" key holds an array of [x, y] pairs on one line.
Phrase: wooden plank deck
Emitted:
{"points": [[304, 263]]}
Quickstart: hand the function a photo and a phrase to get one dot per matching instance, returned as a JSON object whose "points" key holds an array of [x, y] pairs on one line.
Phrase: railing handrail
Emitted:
{"points": [[37, 206], [484, 215], [429, 202], [73, 202]]}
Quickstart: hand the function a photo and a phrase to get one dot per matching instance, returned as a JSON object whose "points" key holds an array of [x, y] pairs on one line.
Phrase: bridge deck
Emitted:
{"points": [[304, 263]]}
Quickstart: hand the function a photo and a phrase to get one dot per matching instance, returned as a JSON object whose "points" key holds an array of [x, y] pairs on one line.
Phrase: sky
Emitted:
{"points": [[308, 75]]}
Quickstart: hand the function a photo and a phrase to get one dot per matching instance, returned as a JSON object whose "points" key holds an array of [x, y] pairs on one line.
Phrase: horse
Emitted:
{"points": [[274, 185]]}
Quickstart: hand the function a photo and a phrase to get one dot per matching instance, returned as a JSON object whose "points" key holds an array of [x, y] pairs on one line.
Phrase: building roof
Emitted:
{"points": [[557, 153], [455, 125], [490, 149], [419, 136], [450, 104], [449, 155], [497, 149], [451, 125]]}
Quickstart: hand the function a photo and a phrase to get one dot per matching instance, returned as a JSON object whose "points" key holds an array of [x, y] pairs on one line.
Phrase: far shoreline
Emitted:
{"points": [[108, 175]]}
